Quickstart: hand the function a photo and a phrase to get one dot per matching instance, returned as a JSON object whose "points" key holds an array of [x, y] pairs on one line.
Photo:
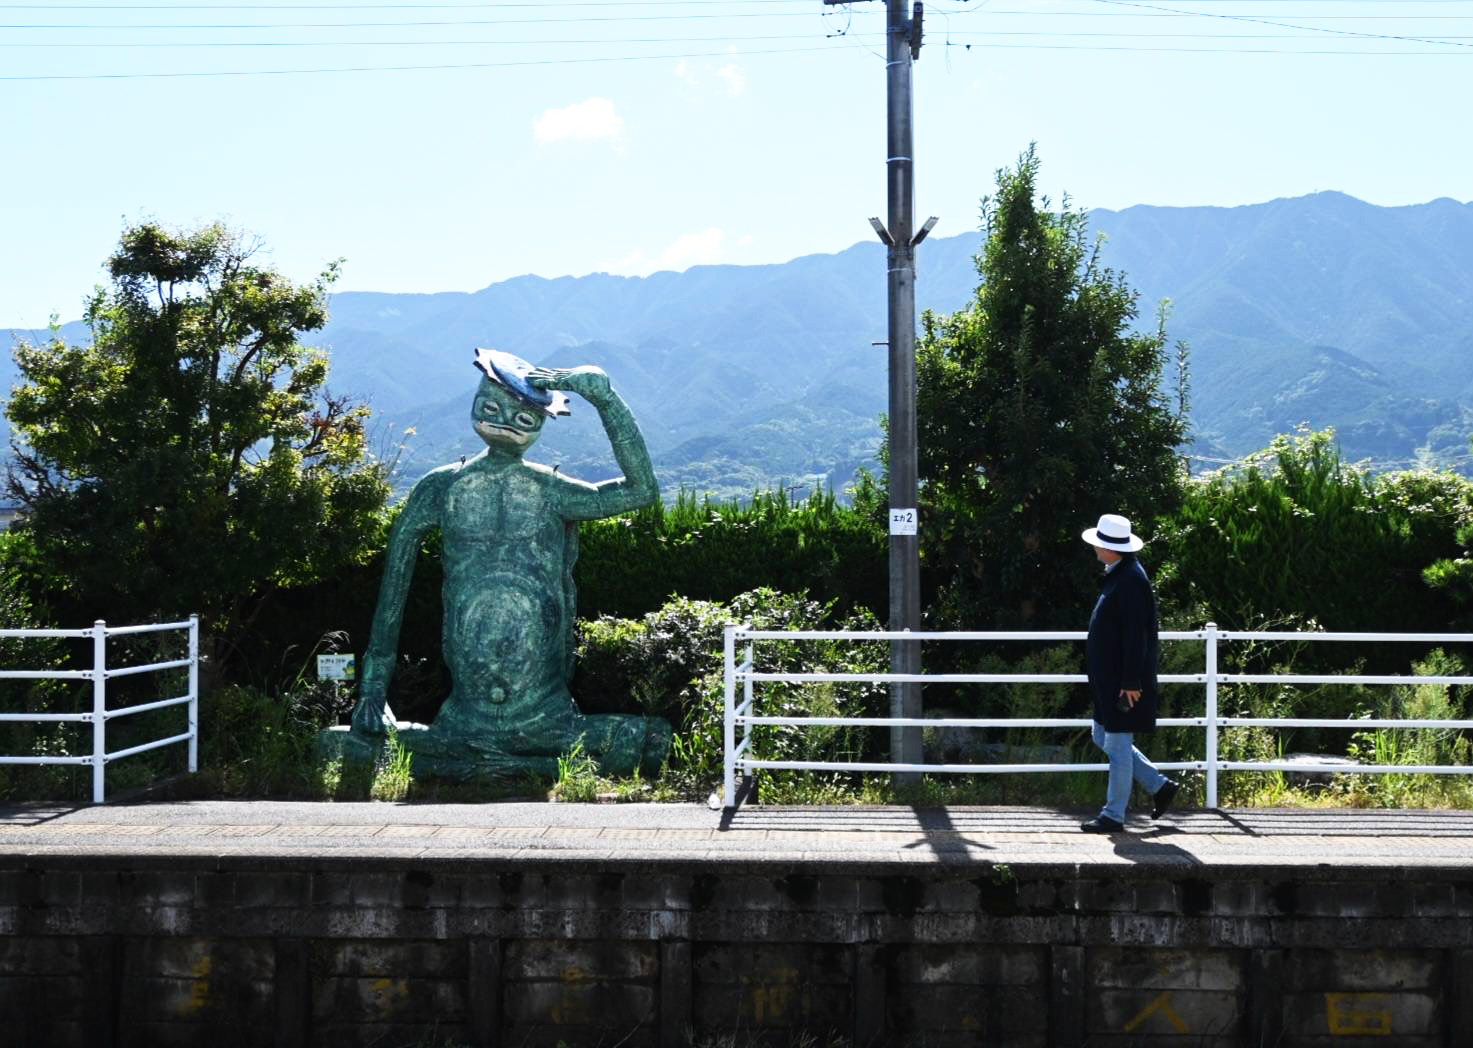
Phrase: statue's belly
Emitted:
{"points": [[506, 628]]}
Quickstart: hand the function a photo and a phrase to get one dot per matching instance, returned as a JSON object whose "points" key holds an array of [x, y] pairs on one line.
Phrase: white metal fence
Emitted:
{"points": [[741, 716], [99, 715]]}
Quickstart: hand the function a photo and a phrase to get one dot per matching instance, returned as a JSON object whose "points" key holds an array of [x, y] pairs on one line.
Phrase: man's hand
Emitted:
{"points": [[589, 382], [1131, 697]]}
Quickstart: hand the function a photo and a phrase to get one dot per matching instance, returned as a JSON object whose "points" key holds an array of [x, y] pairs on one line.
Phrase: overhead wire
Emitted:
{"points": [[1216, 50], [426, 43], [1264, 21], [384, 7], [426, 22], [724, 53], [1062, 40], [763, 38]]}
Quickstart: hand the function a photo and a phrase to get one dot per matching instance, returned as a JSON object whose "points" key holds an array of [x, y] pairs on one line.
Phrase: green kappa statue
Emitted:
{"points": [[510, 537]]}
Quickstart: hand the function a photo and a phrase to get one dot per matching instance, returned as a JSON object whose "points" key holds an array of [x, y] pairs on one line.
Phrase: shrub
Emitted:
{"points": [[704, 550], [669, 663], [31, 739], [254, 744]]}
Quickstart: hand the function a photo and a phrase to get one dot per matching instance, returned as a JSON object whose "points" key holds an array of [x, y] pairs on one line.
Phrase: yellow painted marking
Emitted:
{"points": [[1358, 1014], [1161, 1004], [199, 995], [573, 973], [770, 1002], [387, 992], [571, 1011]]}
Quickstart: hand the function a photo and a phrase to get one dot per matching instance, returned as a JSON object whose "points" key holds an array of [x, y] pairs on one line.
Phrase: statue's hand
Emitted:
{"points": [[589, 382], [372, 714]]}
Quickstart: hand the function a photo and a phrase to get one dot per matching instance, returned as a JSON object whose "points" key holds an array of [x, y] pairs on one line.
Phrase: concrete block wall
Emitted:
{"points": [[101, 951]]}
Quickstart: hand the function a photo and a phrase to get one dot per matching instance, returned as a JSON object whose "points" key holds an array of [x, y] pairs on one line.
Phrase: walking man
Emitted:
{"points": [[1122, 654]]}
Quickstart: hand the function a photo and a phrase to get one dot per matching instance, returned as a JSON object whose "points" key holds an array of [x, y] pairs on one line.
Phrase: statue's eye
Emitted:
{"points": [[525, 420], [490, 409]]}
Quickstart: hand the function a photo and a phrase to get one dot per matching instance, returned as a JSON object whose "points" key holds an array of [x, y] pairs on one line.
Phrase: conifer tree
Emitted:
{"points": [[1039, 408]]}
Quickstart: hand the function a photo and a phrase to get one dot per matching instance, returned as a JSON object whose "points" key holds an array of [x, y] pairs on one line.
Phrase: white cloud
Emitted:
{"points": [[694, 249], [703, 248], [686, 74], [587, 121], [735, 77], [701, 75]]}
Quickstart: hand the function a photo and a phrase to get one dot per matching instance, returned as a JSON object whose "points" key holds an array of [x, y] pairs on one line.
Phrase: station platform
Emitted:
{"points": [[755, 833]]}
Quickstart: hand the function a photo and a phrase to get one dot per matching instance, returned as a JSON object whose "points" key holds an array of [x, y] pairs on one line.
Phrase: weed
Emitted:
{"points": [[577, 776], [393, 780], [330, 777]]}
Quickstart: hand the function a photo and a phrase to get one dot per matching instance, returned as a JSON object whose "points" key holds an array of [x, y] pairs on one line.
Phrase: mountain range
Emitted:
{"points": [[1321, 309]]}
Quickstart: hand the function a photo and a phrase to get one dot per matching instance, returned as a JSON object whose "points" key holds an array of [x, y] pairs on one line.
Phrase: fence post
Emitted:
{"points": [[1212, 715], [99, 710], [194, 693], [728, 735]]}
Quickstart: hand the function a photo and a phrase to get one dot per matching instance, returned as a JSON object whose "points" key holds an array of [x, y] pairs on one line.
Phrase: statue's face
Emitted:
{"points": [[503, 420]]}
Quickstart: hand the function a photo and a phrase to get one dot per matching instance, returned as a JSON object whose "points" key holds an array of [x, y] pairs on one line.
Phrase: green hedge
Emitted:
{"points": [[705, 550]]}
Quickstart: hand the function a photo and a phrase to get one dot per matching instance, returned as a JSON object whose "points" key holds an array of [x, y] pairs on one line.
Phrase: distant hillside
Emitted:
{"points": [[1320, 309]]}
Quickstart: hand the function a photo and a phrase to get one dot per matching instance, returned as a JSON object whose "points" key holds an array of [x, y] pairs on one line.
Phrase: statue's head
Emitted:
{"points": [[508, 412], [504, 420]]}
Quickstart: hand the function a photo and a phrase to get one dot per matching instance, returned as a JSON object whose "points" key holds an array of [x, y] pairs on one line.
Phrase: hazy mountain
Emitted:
{"points": [[1321, 309]]}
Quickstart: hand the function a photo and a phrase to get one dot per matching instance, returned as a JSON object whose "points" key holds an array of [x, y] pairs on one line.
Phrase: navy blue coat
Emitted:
{"points": [[1123, 650]]}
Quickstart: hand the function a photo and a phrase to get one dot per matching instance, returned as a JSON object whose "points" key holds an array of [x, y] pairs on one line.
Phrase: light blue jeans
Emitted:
{"points": [[1126, 764]]}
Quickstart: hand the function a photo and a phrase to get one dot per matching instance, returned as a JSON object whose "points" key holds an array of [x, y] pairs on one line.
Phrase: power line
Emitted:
{"points": [[1281, 25], [617, 3], [724, 53], [415, 68], [425, 43], [504, 42], [1216, 50], [994, 13], [379, 7], [400, 25]]}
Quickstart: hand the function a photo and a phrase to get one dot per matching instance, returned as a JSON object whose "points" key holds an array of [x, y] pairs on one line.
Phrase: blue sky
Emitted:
{"points": [[452, 145]]}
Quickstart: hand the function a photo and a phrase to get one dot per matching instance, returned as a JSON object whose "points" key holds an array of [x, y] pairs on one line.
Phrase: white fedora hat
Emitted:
{"points": [[1113, 532]]}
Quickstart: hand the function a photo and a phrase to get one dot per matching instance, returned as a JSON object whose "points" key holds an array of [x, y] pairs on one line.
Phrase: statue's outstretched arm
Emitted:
{"points": [[637, 487], [421, 513]]}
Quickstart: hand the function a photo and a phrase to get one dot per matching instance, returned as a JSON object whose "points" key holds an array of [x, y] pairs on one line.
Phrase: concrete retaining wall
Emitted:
{"points": [[101, 951]]}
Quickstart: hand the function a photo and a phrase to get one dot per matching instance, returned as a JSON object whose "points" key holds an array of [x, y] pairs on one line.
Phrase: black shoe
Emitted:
{"points": [[1163, 798], [1102, 824]]}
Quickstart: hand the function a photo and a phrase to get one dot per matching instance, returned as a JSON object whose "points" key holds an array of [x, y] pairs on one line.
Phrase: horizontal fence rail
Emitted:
{"points": [[740, 716], [99, 715]]}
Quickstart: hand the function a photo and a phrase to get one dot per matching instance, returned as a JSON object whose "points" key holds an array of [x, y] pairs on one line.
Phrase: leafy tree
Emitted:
{"points": [[189, 459], [1039, 408]]}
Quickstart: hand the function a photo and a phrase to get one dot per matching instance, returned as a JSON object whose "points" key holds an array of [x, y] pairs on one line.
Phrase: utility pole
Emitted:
{"points": [[903, 45]]}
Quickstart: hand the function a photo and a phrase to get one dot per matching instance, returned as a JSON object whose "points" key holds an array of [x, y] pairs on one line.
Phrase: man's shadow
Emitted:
{"points": [[1153, 847]]}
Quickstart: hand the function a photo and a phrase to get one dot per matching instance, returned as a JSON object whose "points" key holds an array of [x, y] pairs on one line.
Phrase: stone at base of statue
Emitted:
{"points": [[618, 743]]}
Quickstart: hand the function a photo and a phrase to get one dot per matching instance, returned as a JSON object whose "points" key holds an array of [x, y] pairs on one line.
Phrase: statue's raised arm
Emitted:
{"points": [[637, 487]]}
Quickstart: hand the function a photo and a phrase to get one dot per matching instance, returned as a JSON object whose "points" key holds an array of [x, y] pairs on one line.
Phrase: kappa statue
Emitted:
{"points": [[510, 539]]}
